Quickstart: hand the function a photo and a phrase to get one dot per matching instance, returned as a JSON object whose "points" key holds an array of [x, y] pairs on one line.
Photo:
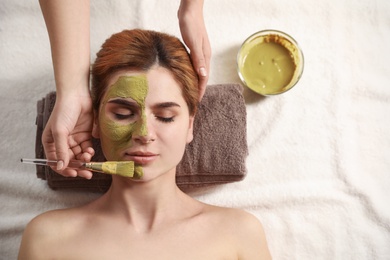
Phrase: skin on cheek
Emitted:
{"points": [[114, 136]]}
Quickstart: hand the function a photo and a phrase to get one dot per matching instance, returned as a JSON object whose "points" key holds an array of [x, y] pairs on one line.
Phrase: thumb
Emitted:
{"points": [[61, 144], [201, 67], [199, 61]]}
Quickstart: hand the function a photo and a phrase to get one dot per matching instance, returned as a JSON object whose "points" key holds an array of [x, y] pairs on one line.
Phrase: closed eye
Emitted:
{"points": [[166, 111], [121, 109], [121, 116], [165, 119]]}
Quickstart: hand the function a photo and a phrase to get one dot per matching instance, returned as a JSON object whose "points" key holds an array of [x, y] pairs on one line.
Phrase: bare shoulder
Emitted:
{"points": [[245, 229], [45, 229], [251, 237]]}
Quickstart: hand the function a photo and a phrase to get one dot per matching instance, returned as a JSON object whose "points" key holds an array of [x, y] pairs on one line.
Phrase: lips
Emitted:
{"points": [[141, 158]]}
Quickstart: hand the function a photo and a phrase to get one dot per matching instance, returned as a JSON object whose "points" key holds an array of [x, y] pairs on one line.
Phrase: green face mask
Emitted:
{"points": [[115, 137]]}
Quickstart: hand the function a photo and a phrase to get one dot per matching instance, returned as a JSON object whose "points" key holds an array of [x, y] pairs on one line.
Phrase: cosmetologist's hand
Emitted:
{"points": [[67, 134], [194, 33]]}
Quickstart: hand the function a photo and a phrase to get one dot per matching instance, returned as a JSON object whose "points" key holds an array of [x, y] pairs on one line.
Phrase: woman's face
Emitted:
{"points": [[144, 118]]}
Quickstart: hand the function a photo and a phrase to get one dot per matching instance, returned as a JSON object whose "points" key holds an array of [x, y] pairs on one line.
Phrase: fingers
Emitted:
{"points": [[85, 174], [87, 155], [57, 147], [69, 172], [84, 157]]}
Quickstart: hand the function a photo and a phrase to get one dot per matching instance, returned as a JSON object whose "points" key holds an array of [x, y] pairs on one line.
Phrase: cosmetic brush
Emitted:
{"points": [[122, 168]]}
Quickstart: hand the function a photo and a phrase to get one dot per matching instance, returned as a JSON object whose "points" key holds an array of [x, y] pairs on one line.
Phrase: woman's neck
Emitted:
{"points": [[148, 205]]}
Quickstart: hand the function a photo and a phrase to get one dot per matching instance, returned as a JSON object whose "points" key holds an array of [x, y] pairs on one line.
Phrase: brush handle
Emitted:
{"points": [[74, 164], [123, 168]]}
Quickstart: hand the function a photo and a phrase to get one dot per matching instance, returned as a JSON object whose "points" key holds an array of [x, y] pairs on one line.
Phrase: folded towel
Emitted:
{"points": [[216, 155]]}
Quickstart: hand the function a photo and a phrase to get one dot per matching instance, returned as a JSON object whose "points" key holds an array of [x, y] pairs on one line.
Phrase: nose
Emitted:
{"points": [[142, 132]]}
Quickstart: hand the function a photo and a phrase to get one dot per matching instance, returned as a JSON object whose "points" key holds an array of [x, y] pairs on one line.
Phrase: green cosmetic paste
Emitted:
{"points": [[269, 64], [114, 136]]}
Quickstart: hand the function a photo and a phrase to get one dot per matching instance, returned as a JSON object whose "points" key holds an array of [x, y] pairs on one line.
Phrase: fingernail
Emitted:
{"points": [[203, 72], [60, 165]]}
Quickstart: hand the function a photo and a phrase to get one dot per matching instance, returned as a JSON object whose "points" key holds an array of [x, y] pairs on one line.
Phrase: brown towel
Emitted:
{"points": [[216, 155]]}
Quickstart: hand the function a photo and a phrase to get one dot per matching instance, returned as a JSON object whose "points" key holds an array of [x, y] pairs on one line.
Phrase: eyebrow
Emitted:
{"points": [[166, 105], [123, 102], [126, 102]]}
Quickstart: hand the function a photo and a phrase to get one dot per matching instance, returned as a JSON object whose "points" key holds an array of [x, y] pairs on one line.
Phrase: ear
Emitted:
{"points": [[95, 127], [190, 133]]}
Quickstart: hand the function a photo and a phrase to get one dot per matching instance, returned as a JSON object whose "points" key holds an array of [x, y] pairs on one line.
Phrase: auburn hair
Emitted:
{"points": [[139, 50]]}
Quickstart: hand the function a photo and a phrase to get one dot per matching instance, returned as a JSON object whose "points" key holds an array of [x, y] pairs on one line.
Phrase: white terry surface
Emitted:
{"points": [[319, 164]]}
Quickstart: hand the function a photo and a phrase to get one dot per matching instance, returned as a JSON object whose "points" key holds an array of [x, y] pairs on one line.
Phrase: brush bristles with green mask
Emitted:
{"points": [[122, 168]]}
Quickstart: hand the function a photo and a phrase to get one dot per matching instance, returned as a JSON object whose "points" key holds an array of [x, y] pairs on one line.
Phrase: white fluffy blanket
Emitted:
{"points": [[319, 164]]}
